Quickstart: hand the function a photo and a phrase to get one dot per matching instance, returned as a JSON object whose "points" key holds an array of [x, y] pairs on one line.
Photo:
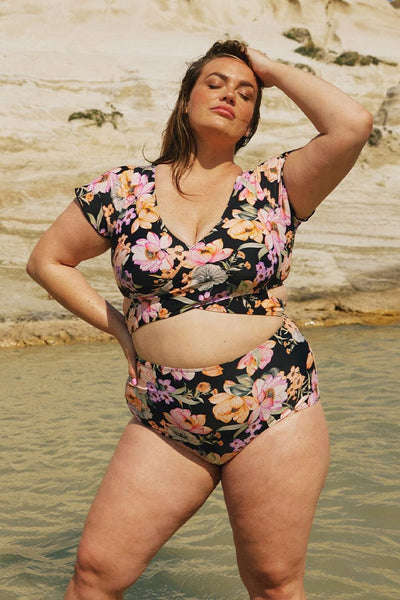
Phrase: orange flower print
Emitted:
{"points": [[163, 313], [296, 381], [244, 229], [89, 197], [272, 168], [310, 360], [229, 407], [146, 213], [216, 308], [122, 251], [203, 387], [212, 371]]}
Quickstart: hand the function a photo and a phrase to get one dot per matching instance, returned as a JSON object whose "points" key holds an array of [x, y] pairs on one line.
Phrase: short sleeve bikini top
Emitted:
{"points": [[231, 270]]}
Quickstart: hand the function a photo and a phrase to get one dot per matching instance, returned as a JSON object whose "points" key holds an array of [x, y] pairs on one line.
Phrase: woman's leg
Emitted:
{"points": [[149, 490], [271, 490]]}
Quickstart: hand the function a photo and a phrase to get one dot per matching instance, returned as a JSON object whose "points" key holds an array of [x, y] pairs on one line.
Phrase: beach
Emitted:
{"points": [[125, 60], [88, 86]]}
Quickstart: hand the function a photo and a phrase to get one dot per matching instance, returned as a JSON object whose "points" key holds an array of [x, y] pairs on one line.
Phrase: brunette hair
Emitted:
{"points": [[178, 142]]}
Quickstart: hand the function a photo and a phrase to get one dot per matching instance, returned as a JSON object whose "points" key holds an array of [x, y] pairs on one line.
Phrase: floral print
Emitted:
{"points": [[216, 411], [231, 269]]}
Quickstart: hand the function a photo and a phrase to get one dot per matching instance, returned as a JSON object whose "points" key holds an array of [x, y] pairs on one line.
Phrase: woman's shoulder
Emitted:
{"points": [[270, 169], [126, 175]]}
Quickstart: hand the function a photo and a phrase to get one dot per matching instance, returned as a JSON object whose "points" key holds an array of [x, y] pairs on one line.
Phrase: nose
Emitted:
{"points": [[228, 96]]}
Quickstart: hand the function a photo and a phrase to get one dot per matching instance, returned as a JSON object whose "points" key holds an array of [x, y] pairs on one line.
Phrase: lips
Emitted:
{"points": [[224, 111]]}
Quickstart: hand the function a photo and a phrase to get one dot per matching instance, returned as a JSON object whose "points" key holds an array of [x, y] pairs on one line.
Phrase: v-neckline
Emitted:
{"points": [[165, 228]]}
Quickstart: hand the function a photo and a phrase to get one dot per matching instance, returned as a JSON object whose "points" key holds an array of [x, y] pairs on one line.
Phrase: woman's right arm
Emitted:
{"points": [[69, 241]]}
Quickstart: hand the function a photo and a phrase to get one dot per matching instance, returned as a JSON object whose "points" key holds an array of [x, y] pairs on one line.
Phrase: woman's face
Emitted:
{"points": [[222, 100]]}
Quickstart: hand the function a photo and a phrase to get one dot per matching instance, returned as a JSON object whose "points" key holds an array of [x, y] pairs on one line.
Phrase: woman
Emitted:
{"points": [[217, 373]]}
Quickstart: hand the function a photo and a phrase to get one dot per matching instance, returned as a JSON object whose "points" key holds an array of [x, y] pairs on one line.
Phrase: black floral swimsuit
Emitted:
{"points": [[215, 411]]}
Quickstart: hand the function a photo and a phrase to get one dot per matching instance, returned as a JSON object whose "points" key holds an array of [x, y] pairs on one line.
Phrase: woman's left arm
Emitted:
{"points": [[314, 170]]}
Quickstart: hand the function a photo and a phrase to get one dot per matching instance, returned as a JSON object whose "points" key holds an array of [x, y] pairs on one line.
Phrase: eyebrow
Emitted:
{"points": [[243, 83]]}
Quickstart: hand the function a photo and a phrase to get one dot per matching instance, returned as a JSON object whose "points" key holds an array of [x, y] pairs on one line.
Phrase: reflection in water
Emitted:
{"points": [[62, 416]]}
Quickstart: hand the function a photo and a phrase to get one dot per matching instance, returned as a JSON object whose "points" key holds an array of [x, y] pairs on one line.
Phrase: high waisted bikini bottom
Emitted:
{"points": [[216, 411]]}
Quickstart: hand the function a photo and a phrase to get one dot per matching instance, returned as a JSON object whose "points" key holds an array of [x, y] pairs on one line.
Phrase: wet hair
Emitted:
{"points": [[178, 141]]}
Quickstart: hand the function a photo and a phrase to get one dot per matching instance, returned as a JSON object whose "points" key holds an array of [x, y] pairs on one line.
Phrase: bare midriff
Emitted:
{"points": [[201, 338]]}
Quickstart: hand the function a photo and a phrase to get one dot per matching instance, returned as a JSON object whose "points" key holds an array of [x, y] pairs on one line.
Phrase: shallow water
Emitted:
{"points": [[63, 411]]}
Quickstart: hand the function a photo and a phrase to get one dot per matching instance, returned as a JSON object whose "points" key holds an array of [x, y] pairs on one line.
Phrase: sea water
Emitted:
{"points": [[63, 412]]}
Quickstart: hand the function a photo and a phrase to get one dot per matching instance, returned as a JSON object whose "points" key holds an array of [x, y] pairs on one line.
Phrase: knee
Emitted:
{"points": [[96, 573], [90, 571], [278, 581]]}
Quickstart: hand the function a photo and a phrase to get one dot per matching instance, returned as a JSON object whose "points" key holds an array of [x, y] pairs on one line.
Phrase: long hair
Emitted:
{"points": [[178, 141]]}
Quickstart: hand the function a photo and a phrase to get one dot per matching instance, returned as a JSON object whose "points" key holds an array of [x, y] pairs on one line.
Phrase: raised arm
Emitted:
{"points": [[314, 170], [69, 241]]}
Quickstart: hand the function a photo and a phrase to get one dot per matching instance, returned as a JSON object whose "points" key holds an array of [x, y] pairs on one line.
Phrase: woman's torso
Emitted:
{"points": [[201, 338], [197, 272], [198, 337]]}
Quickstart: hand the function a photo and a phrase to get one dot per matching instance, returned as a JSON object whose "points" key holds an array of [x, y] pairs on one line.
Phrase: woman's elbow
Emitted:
{"points": [[37, 264], [362, 124], [33, 266]]}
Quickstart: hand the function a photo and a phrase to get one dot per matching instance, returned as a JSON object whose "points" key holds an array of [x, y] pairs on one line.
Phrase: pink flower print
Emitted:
{"points": [[283, 201], [178, 374], [261, 272], [162, 391], [270, 395], [294, 330], [284, 268], [182, 418], [311, 398], [274, 228], [203, 253], [258, 358], [147, 310], [150, 253], [122, 251], [252, 191], [104, 183], [133, 184], [166, 385], [131, 318], [237, 445], [145, 374]]}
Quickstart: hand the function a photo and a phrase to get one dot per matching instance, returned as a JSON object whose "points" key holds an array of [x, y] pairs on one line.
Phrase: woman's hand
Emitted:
{"points": [[124, 339], [260, 63]]}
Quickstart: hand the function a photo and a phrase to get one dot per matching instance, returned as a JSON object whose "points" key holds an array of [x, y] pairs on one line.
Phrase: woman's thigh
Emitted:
{"points": [[271, 490], [149, 490]]}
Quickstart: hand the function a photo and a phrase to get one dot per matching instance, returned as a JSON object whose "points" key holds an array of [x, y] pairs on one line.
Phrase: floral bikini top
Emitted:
{"points": [[231, 269]]}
